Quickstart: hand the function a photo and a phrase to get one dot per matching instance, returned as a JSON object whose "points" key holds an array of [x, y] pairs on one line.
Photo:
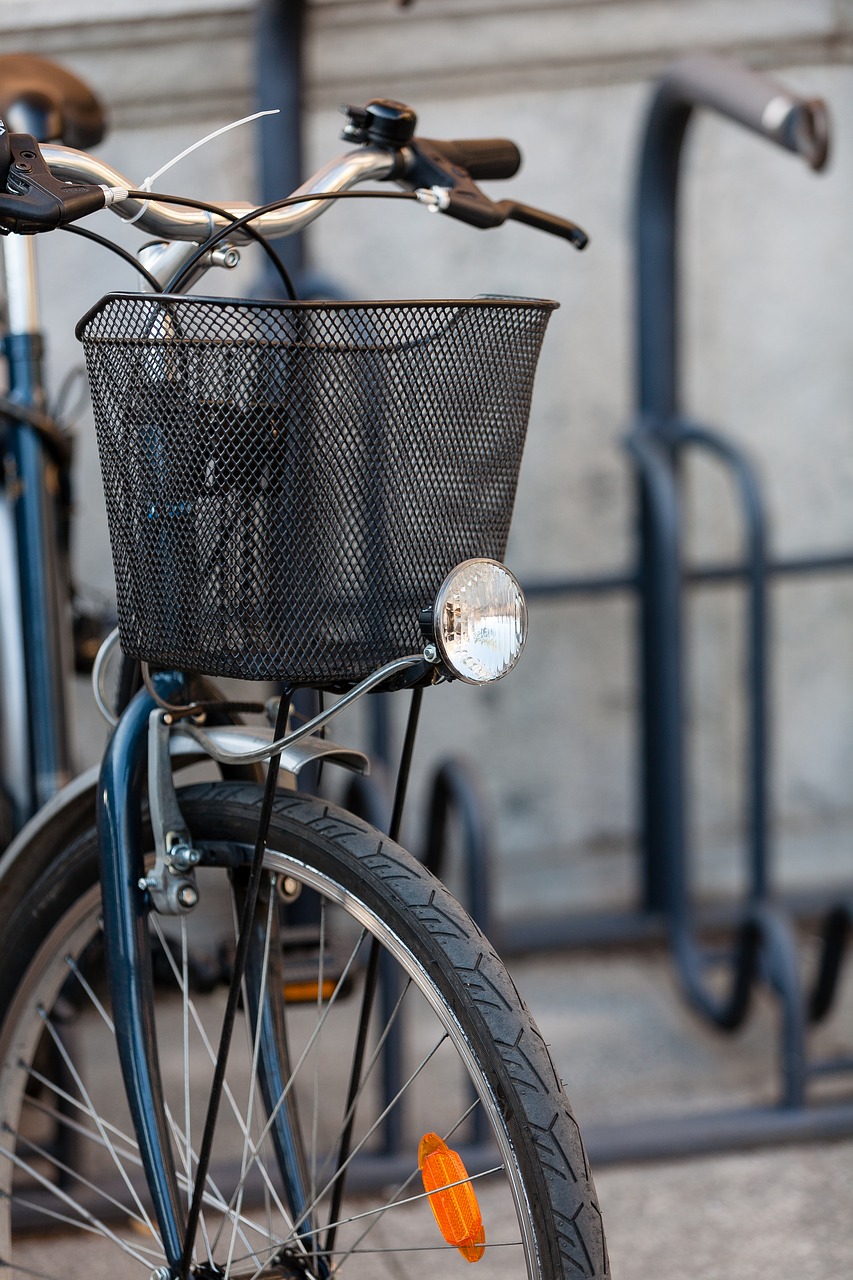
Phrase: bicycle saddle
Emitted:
{"points": [[43, 99]]}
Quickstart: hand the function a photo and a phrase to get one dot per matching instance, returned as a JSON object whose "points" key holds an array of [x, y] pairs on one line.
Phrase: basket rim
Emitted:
{"points": [[312, 304]]}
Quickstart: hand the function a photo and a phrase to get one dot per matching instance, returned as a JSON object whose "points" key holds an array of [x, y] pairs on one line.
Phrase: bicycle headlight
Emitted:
{"points": [[480, 621]]}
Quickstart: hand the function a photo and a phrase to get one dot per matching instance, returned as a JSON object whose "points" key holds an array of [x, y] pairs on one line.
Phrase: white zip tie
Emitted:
{"points": [[146, 184]]}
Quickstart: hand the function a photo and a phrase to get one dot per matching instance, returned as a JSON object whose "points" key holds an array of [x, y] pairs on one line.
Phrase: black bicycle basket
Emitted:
{"points": [[288, 484]]}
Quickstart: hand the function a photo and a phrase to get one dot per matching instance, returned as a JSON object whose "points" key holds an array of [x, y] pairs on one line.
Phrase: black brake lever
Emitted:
{"points": [[457, 194], [549, 222], [34, 200], [479, 211]]}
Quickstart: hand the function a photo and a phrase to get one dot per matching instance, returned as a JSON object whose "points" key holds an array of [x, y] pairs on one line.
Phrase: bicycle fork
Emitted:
{"points": [[129, 895]]}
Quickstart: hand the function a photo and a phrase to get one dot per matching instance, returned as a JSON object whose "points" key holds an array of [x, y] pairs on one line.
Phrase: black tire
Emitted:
{"points": [[541, 1209]]}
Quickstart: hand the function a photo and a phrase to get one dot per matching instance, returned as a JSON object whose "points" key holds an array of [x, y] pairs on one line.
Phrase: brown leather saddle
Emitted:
{"points": [[43, 99]]}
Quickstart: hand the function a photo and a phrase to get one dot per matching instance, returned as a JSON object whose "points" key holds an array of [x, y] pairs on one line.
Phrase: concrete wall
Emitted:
{"points": [[768, 303]]}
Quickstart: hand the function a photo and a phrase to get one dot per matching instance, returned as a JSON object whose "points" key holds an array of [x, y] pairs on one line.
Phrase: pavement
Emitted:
{"points": [[634, 1057]]}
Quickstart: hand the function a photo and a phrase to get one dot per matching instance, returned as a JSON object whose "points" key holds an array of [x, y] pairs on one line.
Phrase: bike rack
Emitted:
{"points": [[764, 948]]}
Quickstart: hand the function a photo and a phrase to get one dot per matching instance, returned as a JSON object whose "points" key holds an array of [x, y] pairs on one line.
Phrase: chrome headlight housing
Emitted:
{"points": [[480, 621]]}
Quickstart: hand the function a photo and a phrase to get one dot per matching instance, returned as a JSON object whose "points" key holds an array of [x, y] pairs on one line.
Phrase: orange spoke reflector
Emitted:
{"points": [[307, 993], [452, 1197]]}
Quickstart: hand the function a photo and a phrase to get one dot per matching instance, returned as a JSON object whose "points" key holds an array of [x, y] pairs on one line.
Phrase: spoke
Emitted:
{"points": [[420, 1195], [84, 983], [76, 1175], [183, 1141], [302, 1057], [232, 1101], [79, 1209], [442, 1247], [216, 1200], [247, 915], [256, 1050], [96, 1118], [366, 1138], [21, 1270], [368, 996], [381, 1209], [366, 1075], [56, 1216], [434, 1248], [185, 1020], [98, 1139], [315, 1111]]}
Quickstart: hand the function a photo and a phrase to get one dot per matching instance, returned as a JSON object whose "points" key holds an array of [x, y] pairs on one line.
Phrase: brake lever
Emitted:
{"points": [[34, 200], [478, 210], [456, 193], [549, 222]]}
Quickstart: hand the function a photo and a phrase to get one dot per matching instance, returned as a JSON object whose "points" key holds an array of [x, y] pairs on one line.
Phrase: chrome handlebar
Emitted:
{"points": [[169, 222]]}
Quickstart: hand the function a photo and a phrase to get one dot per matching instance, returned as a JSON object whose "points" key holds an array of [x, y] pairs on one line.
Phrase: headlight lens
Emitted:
{"points": [[480, 621]]}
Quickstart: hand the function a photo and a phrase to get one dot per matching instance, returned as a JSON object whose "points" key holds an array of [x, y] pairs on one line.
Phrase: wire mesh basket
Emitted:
{"points": [[288, 484]]}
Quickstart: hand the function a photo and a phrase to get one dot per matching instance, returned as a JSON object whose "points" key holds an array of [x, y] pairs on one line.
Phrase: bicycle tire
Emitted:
{"points": [[541, 1214]]}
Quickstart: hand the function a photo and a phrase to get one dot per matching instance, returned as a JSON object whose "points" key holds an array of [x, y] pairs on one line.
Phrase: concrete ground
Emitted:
{"points": [[763, 1215], [631, 1052]]}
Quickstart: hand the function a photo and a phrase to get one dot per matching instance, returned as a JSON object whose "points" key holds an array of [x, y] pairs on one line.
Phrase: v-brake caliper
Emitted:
{"points": [[171, 881]]}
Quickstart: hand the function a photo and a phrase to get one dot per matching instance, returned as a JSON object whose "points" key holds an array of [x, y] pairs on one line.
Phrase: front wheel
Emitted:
{"points": [[379, 1032]]}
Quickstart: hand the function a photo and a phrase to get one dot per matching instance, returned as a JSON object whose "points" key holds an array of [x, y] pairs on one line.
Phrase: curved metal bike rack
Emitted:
{"points": [[763, 949]]}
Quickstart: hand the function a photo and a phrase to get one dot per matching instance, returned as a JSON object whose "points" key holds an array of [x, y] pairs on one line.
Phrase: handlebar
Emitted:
{"points": [[167, 222], [49, 185]]}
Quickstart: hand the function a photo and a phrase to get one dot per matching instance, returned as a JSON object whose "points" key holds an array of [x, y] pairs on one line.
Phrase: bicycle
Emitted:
{"points": [[291, 1129], [37, 636]]}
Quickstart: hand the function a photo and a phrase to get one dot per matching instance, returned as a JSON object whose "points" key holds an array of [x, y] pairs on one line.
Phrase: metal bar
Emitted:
{"points": [[279, 28], [764, 944], [455, 794], [667, 1137], [757, 645], [693, 575], [789, 121], [662, 680], [836, 928], [633, 927]]}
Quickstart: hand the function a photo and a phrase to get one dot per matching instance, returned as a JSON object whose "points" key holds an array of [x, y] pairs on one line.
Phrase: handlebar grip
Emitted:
{"points": [[482, 158]]}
